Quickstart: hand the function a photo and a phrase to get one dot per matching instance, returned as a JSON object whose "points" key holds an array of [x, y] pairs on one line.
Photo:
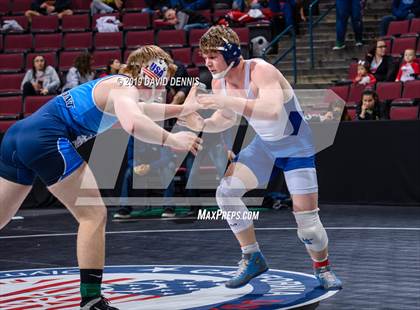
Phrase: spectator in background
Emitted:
{"points": [[81, 72], [381, 65], [192, 5], [364, 77], [105, 6], [113, 67], [185, 19], [401, 10], [286, 7], [344, 9], [42, 7], [409, 68], [41, 79], [369, 107], [155, 6]]}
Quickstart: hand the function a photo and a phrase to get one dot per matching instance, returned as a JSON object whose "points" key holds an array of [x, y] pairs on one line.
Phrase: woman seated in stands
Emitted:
{"points": [[113, 67], [41, 79], [381, 65], [81, 72], [369, 108]]}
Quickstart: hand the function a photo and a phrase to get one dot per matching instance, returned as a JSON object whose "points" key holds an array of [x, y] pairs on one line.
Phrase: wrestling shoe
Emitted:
{"points": [[100, 303], [250, 266], [328, 279]]}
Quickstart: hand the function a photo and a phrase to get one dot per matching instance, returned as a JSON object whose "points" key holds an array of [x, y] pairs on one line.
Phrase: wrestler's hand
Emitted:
{"points": [[212, 101], [185, 141], [193, 121], [142, 169], [191, 104]]}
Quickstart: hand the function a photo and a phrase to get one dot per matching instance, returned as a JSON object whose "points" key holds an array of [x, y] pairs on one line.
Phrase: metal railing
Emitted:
{"points": [[290, 29], [312, 24]]}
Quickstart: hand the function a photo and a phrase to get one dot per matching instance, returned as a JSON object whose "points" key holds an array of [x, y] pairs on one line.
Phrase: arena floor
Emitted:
{"points": [[375, 251]]}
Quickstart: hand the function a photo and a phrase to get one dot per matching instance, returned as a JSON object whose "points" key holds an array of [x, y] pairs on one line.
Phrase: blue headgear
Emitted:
{"points": [[231, 52]]}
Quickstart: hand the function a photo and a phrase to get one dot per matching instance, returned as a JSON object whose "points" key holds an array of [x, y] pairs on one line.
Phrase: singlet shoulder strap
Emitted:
{"points": [[223, 84], [247, 75]]}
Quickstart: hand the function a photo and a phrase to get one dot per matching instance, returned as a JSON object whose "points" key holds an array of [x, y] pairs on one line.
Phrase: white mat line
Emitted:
{"points": [[208, 230]]}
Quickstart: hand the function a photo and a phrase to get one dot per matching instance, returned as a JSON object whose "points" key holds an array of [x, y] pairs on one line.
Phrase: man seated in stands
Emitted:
{"points": [[42, 7]]}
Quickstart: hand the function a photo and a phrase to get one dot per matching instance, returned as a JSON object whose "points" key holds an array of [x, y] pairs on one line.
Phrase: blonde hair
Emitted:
{"points": [[213, 38], [141, 56]]}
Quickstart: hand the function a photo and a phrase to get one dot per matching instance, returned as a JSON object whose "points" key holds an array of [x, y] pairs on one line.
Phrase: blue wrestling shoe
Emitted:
{"points": [[328, 279], [251, 266]]}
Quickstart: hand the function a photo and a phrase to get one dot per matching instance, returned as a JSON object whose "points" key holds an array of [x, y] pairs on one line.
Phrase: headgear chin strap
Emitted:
{"points": [[154, 73], [231, 53]]}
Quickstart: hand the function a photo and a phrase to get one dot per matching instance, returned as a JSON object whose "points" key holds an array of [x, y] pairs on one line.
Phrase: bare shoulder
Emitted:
{"points": [[264, 71]]}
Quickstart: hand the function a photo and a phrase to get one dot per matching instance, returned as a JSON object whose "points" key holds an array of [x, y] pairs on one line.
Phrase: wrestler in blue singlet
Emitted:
{"points": [[44, 144]]}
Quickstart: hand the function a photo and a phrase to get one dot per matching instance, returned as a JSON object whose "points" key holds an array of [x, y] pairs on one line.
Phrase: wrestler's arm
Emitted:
{"points": [[270, 96], [220, 121], [159, 111], [133, 119]]}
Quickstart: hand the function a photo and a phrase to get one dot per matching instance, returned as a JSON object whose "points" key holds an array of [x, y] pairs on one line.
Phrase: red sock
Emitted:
{"points": [[321, 264]]}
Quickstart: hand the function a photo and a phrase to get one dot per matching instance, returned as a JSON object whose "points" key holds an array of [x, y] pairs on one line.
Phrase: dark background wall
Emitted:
{"points": [[374, 162]]}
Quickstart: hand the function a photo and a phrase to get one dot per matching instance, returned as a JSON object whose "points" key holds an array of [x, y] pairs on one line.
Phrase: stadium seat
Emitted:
{"points": [[352, 71], [108, 40], [415, 25], [19, 7], [411, 90], [197, 59], [10, 83], [126, 54], [96, 16], [388, 90], [10, 107], [243, 34], [418, 47], [134, 5], [195, 35], [17, 43], [77, 41], [398, 27], [50, 58], [47, 42], [67, 59], [74, 23], [399, 45], [355, 94], [4, 7], [352, 113], [21, 20], [404, 113], [341, 91], [219, 13], [410, 94], [193, 72], [135, 39], [4, 125], [136, 21], [101, 58], [1, 43], [44, 23], [171, 38], [183, 55], [81, 6], [11, 63], [33, 103], [206, 14]]}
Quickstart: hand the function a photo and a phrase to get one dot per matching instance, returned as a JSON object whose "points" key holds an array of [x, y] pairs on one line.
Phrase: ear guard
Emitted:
{"points": [[154, 73], [231, 52]]}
